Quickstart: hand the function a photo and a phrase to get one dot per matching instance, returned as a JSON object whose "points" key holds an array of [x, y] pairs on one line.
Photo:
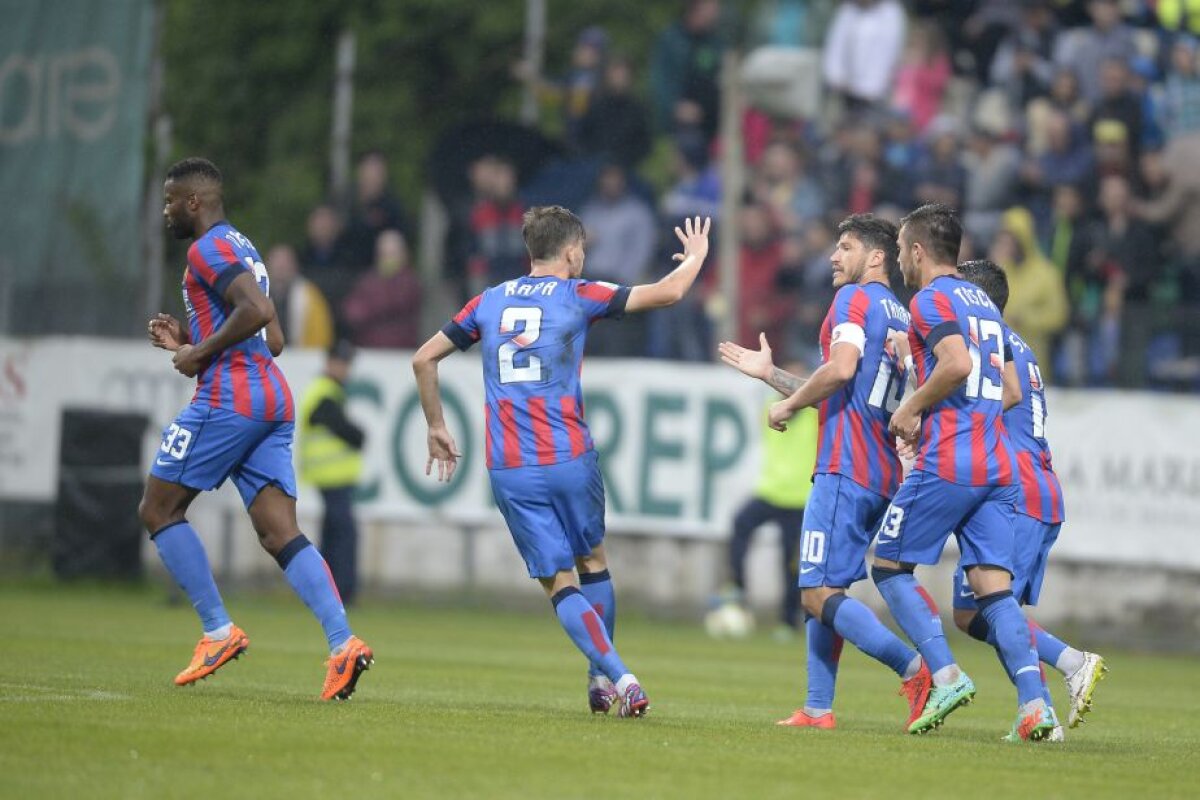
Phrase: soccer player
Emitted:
{"points": [[1039, 512], [962, 478], [238, 425], [855, 390], [541, 464]]}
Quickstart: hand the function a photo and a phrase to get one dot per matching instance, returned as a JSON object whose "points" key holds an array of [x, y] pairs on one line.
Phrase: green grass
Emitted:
{"points": [[478, 703]]}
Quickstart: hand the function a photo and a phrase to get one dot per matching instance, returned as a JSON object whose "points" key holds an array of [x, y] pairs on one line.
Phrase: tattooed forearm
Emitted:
{"points": [[784, 382]]}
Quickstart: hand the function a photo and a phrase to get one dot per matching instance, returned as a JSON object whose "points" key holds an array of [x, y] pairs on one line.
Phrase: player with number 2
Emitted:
{"points": [[239, 425], [541, 463], [856, 388]]}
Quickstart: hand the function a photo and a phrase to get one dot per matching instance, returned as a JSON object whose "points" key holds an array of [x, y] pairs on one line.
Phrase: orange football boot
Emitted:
{"points": [[211, 654], [799, 719], [344, 669], [916, 691]]}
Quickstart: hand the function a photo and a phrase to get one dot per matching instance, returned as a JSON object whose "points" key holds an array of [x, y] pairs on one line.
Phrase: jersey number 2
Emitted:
{"points": [[530, 319]]}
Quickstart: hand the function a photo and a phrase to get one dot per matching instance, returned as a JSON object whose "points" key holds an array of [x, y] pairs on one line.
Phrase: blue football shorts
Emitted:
{"points": [[839, 519], [555, 512], [927, 510], [206, 445], [1032, 540]]}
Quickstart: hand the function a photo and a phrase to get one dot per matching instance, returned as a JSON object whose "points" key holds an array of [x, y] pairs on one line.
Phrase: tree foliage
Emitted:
{"points": [[250, 85]]}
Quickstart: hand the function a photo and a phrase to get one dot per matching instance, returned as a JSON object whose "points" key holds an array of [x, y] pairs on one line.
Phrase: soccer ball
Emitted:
{"points": [[729, 620]]}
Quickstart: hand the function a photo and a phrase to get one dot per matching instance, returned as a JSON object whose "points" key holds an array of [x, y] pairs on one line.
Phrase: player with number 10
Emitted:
{"points": [[541, 463], [855, 390]]}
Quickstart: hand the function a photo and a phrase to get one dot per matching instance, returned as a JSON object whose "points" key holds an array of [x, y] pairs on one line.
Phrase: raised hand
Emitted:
{"points": [[694, 238], [755, 363]]}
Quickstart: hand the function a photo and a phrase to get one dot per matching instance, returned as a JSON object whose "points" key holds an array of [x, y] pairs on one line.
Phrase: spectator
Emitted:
{"points": [[783, 184], [324, 258], [989, 24], [324, 247], [1066, 160], [862, 50], [992, 166], [1178, 15], [574, 92], [616, 125], [622, 240], [383, 308], [1086, 49], [497, 248], [791, 23], [922, 75], [1118, 102], [1037, 305], [762, 307], [373, 210], [684, 68], [1181, 90], [1178, 207], [1023, 63], [940, 176], [302, 309], [1068, 234]]}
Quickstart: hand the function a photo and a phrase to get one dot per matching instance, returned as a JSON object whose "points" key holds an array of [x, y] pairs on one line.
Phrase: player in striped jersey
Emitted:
{"points": [[541, 464], [1039, 511], [239, 425], [962, 479], [855, 389]]}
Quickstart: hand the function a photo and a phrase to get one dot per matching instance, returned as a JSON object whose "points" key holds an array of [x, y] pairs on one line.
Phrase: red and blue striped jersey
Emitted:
{"points": [[1041, 494], [532, 333], [243, 378], [963, 437], [852, 432]]}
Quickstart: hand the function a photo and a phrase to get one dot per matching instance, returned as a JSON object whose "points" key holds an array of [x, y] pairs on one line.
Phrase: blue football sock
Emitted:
{"points": [[824, 652], [981, 630], [584, 626], [858, 625], [597, 589], [1049, 648], [309, 576], [183, 555], [1013, 643], [916, 613]]}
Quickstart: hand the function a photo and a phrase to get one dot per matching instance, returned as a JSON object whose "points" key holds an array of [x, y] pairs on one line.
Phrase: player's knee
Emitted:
{"points": [[812, 602], [152, 514], [962, 619]]}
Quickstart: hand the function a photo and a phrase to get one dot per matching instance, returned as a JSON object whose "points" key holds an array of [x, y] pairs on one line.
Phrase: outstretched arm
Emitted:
{"points": [[828, 378], [442, 448], [758, 364], [671, 288]]}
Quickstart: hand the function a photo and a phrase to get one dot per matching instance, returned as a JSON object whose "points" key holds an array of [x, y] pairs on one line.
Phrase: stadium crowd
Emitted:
{"points": [[1067, 132]]}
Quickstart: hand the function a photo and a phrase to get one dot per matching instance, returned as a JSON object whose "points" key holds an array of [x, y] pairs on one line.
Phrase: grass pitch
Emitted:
{"points": [[480, 703]]}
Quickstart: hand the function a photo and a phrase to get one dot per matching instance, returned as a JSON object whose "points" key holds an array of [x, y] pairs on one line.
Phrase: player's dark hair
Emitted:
{"points": [[548, 229], [876, 233], [989, 276], [194, 168], [937, 228]]}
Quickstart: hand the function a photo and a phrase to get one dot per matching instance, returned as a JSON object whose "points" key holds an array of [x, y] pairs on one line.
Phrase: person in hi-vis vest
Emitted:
{"points": [[331, 459]]}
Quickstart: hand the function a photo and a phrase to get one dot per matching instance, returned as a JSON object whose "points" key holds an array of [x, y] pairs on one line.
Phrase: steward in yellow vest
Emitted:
{"points": [[331, 459]]}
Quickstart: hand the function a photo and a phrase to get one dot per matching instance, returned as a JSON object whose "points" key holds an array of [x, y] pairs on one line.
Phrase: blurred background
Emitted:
{"points": [[380, 155]]}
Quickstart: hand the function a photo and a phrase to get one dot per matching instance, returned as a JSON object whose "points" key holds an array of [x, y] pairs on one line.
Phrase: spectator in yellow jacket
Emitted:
{"points": [[1037, 305]]}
